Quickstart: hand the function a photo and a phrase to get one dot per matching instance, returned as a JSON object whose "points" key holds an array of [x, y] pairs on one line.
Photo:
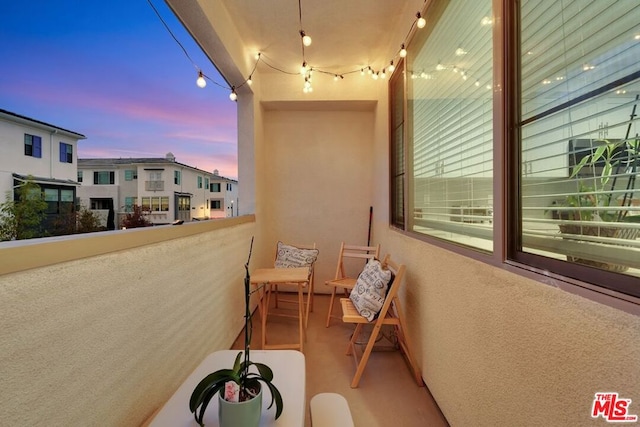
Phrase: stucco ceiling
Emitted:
{"points": [[347, 34]]}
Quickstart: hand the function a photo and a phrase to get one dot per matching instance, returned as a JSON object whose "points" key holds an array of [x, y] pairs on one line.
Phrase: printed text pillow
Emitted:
{"points": [[370, 290], [290, 256]]}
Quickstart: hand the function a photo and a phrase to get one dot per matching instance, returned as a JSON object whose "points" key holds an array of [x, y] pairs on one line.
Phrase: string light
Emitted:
{"points": [[392, 67], [201, 82], [306, 40], [403, 51], [306, 70]]}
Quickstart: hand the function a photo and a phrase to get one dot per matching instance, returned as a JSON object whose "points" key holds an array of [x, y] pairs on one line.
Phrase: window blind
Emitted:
{"points": [[451, 113], [579, 150]]}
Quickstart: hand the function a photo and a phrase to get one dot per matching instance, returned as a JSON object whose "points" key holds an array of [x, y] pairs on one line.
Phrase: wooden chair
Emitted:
{"points": [[308, 302], [342, 279], [390, 314]]}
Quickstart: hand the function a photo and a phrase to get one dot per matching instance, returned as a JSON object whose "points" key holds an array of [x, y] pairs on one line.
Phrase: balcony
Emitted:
{"points": [[115, 321], [101, 329]]}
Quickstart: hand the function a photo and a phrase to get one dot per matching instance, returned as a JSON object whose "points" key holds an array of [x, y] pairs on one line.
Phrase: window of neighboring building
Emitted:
{"points": [[176, 177], [104, 178], [579, 100], [129, 202], [130, 174], [446, 163], [184, 203], [206, 182], [214, 187], [66, 153], [32, 146], [199, 182], [79, 176], [228, 186], [100, 204], [52, 197], [155, 204], [59, 200], [155, 175], [216, 204]]}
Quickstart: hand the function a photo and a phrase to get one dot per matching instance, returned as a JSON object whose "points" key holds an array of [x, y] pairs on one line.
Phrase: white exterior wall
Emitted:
{"points": [[188, 185], [13, 159]]}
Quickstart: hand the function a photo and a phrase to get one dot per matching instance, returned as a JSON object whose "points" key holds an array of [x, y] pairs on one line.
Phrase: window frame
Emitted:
{"points": [[32, 146], [66, 152], [97, 174], [506, 181]]}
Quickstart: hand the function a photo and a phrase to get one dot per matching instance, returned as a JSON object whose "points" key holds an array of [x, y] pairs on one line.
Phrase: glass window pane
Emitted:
{"points": [[451, 126], [579, 152]]}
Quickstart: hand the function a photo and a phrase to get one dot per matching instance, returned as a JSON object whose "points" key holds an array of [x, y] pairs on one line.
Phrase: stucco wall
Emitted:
{"points": [[106, 340], [496, 348], [317, 180]]}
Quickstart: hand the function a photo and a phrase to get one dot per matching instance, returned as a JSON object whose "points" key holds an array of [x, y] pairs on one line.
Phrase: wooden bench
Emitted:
{"points": [[330, 410]]}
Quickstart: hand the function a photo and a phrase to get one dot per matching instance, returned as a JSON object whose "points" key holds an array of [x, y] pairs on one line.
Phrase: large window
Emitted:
{"points": [[155, 204], [449, 154], [580, 79], [564, 139]]}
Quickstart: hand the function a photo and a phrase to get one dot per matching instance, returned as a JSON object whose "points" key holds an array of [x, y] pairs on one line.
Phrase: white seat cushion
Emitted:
{"points": [[330, 410]]}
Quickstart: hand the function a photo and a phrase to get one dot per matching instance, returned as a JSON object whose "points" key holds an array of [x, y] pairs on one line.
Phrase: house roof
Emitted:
{"points": [[8, 115], [110, 162], [42, 180]]}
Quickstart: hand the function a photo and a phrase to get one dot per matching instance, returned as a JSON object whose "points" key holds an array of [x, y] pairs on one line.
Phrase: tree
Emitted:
{"points": [[135, 219], [21, 217]]}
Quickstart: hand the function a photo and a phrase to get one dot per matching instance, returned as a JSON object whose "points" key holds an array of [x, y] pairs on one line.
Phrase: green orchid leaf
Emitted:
{"points": [[236, 364], [205, 402], [265, 371], [211, 380], [275, 395]]}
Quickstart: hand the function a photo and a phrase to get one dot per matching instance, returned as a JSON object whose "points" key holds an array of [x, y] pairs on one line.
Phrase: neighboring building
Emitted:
{"points": [[43, 151], [165, 189]]}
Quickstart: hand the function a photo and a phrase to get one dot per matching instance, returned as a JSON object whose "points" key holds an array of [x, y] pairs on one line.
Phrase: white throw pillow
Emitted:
{"points": [[371, 288], [290, 256]]}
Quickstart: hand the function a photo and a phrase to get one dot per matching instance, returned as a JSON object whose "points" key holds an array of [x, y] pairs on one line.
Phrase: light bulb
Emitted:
{"points": [[233, 95], [201, 82], [375, 76], [383, 74], [403, 51], [249, 81], [392, 67], [257, 57], [305, 89], [362, 71], [306, 40], [440, 67], [421, 21], [477, 83], [335, 78], [304, 68]]}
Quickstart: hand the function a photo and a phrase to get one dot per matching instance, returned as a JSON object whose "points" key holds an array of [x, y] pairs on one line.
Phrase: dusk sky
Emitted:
{"points": [[111, 71]]}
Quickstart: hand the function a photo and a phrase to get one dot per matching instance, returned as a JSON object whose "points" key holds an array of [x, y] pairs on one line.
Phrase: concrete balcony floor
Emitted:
{"points": [[387, 394]]}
